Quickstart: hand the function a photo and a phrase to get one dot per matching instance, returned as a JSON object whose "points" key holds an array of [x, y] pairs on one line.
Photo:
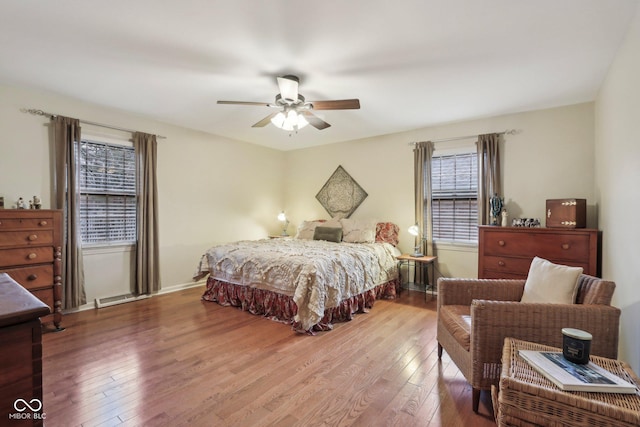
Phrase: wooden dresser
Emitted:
{"points": [[21, 355], [30, 252], [506, 252]]}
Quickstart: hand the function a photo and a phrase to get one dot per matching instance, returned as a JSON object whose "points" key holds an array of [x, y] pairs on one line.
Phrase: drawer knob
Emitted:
{"points": [[566, 246], [501, 242], [32, 255], [32, 277], [33, 237], [43, 223], [501, 263]]}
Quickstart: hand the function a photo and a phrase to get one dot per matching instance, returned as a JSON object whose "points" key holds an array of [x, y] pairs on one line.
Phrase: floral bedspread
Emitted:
{"points": [[315, 273]]}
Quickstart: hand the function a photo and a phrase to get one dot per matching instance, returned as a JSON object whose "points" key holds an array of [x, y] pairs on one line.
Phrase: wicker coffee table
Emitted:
{"points": [[527, 398]]}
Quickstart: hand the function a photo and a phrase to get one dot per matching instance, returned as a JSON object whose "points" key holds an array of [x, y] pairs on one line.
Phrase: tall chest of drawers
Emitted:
{"points": [[506, 252], [30, 252]]}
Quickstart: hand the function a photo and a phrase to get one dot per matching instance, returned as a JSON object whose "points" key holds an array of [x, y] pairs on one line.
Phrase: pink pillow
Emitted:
{"points": [[387, 232]]}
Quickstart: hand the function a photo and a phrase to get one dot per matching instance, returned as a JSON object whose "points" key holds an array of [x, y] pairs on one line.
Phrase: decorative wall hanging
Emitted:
{"points": [[341, 195]]}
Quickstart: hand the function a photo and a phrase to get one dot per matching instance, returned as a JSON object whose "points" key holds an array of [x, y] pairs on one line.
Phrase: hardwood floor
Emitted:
{"points": [[174, 360]]}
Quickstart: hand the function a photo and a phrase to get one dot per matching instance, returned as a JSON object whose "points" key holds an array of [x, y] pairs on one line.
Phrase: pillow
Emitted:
{"points": [[551, 283], [387, 232], [333, 222], [358, 231], [330, 234], [306, 229]]}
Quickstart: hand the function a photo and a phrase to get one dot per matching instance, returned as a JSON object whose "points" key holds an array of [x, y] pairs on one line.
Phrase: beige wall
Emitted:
{"points": [[552, 156], [211, 189], [618, 186]]}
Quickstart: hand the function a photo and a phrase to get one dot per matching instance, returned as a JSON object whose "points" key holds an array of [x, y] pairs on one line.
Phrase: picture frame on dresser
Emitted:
{"points": [[506, 252], [31, 254]]}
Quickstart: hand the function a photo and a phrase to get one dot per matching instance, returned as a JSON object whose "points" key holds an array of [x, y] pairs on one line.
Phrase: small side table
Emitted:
{"points": [[526, 397], [424, 262]]}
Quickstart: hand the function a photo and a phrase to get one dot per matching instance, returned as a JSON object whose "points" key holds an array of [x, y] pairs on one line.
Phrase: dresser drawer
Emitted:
{"points": [[20, 223], [490, 274], [26, 238], [33, 277], [25, 256], [45, 295], [506, 265], [570, 246]]}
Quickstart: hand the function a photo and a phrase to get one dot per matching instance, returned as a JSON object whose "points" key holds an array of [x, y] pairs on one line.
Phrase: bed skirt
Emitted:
{"points": [[282, 308]]}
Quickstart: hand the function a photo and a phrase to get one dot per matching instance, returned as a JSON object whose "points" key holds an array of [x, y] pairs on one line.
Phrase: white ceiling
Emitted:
{"points": [[412, 63]]}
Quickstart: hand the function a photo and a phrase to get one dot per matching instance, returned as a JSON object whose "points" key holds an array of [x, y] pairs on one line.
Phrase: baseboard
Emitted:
{"points": [[167, 290], [180, 287]]}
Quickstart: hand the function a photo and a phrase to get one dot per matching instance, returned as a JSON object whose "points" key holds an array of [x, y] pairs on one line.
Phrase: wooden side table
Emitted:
{"points": [[424, 262], [526, 397]]}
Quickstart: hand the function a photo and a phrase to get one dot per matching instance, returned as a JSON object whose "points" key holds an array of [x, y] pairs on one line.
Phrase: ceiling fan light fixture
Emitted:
{"points": [[289, 121], [295, 112]]}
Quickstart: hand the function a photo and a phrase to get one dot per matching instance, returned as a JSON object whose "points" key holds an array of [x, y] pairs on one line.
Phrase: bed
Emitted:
{"points": [[311, 280]]}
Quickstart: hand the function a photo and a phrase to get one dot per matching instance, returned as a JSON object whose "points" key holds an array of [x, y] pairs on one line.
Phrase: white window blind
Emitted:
{"points": [[107, 176], [454, 197]]}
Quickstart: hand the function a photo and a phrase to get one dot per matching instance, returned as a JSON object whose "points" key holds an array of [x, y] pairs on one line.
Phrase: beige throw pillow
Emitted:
{"points": [[306, 230], [358, 231], [551, 283]]}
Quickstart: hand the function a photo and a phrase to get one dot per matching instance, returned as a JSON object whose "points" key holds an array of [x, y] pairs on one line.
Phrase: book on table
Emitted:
{"points": [[569, 376]]}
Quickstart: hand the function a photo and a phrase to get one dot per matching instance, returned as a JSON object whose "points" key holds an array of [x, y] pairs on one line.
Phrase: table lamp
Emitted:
{"points": [[415, 231], [283, 218]]}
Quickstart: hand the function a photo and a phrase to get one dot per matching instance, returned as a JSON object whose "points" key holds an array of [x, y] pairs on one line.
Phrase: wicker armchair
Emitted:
{"points": [[476, 315]]}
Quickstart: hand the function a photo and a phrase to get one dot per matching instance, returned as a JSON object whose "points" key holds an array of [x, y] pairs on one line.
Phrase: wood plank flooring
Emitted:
{"points": [[173, 360]]}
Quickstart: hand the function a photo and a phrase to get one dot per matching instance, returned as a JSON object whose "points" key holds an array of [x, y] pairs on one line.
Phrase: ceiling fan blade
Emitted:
{"points": [[288, 86], [339, 104], [314, 120], [262, 104], [265, 121]]}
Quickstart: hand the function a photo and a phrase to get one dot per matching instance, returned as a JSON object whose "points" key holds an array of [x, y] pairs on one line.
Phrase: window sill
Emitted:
{"points": [[108, 248], [448, 245]]}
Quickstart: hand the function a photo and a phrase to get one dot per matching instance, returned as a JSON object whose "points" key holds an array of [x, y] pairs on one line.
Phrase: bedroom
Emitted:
{"points": [[597, 137]]}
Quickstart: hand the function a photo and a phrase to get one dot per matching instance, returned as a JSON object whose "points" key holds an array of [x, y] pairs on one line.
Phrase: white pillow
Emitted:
{"points": [[333, 223], [358, 231], [306, 229], [551, 283]]}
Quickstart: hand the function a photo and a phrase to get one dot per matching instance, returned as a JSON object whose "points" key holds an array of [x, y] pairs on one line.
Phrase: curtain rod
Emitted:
{"points": [[37, 112], [456, 138]]}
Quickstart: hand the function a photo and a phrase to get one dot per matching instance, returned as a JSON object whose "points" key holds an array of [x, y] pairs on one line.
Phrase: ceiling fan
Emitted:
{"points": [[294, 111]]}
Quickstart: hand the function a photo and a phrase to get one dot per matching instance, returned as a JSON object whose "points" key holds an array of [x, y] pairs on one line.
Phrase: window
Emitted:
{"points": [[107, 175], [454, 197]]}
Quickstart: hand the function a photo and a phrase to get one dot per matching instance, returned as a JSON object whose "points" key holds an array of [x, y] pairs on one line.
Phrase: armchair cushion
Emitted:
{"points": [[551, 283], [457, 319]]}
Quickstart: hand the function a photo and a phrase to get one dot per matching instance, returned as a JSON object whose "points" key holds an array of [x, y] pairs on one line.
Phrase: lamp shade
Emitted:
{"points": [[414, 230], [289, 120], [282, 217]]}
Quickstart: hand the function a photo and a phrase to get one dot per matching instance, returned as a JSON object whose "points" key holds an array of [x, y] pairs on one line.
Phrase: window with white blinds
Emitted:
{"points": [[107, 175], [454, 197]]}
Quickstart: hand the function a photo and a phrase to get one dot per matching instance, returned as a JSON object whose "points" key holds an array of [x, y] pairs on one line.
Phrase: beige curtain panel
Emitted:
{"points": [[147, 258], [422, 154], [66, 135], [489, 180]]}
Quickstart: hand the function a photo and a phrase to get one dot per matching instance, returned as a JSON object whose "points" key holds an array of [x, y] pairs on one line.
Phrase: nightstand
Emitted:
{"points": [[423, 262]]}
